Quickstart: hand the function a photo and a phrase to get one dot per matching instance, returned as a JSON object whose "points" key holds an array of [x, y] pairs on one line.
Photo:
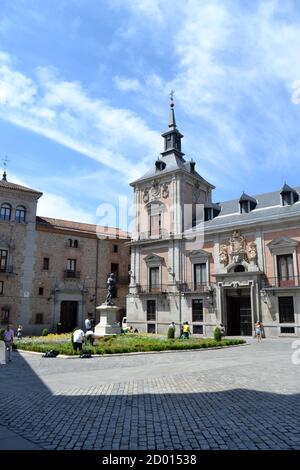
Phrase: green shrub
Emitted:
{"points": [[2, 331], [217, 334], [171, 333], [45, 332]]}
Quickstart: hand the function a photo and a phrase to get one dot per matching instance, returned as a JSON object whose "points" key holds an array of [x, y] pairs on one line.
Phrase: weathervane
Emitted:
{"points": [[172, 97]]}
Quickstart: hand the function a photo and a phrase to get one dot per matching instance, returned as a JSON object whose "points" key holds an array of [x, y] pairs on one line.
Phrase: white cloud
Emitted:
{"points": [[63, 111], [127, 84], [234, 62], [51, 205], [54, 206]]}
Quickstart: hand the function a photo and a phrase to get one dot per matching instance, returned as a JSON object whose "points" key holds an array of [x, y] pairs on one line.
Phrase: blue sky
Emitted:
{"points": [[84, 90]]}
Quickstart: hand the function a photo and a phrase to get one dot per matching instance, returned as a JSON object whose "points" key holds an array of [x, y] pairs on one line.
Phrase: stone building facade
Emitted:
{"points": [[54, 271], [208, 263]]}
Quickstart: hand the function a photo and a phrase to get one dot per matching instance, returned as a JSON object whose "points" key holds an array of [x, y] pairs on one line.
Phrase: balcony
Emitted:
{"points": [[154, 234], [6, 270], [278, 283], [187, 287], [71, 274], [153, 289]]}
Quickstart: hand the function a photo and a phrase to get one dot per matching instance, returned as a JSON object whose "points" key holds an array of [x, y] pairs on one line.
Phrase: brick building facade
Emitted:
{"points": [[207, 263], [54, 270]]}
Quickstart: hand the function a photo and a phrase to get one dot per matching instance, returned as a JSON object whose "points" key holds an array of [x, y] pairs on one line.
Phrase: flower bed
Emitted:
{"points": [[121, 344]]}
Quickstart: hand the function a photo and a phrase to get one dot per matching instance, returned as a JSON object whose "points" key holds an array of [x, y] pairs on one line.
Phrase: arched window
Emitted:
{"points": [[20, 214], [75, 244], [5, 212]]}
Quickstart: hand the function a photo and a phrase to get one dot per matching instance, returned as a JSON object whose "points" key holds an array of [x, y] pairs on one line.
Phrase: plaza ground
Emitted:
{"points": [[244, 397]]}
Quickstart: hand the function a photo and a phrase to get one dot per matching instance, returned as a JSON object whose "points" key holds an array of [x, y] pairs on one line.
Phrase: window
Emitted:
{"points": [[153, 278], [5, 212], [208, 213], [286, 310], [3, 260], [151, 328], [200, 277], [20, 214], [46, 264], [155, 224], [151, 311], [245, 207], [115, 248], [41, 291], [197, 310], [5, 315], [114, 268], [194, 215], [1, 287], [286, 199], [287, 330], [71, 265], [285, 270], [198, 329], [73, 243], [39, 318]]}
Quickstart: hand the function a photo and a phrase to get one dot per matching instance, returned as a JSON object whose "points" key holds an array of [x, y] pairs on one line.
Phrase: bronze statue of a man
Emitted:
{"points": [[111, 289]]}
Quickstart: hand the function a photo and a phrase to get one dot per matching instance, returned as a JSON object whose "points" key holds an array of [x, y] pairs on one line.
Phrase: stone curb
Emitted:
{"points": [[138, 353]]}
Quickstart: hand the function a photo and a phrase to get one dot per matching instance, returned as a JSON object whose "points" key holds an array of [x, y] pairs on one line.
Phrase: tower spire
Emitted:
{"points": [[172, 137], [172, 121]]}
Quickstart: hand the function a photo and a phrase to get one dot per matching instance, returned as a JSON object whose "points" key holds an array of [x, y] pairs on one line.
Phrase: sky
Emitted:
{"points": [[84, 95]]}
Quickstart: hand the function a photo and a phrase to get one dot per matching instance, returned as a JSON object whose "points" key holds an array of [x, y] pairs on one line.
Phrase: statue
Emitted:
{"points": [[111, 289], [223, 256], [237, 247], [252, 251]]}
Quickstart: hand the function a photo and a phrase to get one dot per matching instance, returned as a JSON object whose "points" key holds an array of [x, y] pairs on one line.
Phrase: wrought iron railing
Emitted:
{"points": [[196, 287], [153, 289], [277, 282]]}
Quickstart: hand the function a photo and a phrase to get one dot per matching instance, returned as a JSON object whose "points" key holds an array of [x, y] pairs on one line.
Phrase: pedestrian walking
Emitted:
{"points": [[8, 340], [258, 331]]}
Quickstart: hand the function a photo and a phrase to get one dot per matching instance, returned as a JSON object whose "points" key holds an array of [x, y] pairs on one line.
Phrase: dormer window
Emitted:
{"points": [[288, 195], [247, 203], [160, 165], [208, 213], [211, 210]]}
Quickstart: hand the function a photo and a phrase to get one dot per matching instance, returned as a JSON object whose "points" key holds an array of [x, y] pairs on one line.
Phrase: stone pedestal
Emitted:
{"points": [[109, 321], [2, 353]]}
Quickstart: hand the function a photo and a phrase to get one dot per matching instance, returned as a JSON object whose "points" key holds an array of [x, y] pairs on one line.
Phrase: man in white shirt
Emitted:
{"points": [[78, 336], [87, 324]]}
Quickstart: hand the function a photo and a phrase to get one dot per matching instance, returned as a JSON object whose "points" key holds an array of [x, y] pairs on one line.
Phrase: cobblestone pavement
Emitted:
{"points": [[235, 398]]}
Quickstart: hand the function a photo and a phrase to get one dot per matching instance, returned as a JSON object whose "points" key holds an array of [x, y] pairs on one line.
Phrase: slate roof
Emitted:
{"points": [[173, 163], [268, 207]]}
